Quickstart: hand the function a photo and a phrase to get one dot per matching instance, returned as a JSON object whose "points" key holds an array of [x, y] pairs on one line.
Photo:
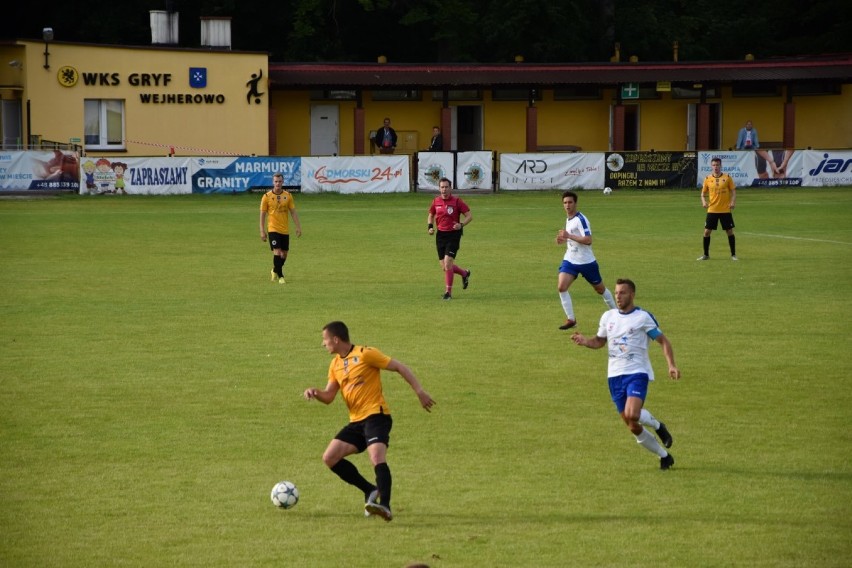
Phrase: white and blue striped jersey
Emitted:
{"points": [[575, 253], [628, 336]]}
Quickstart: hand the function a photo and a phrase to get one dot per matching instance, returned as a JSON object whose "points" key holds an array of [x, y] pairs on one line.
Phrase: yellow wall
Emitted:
{"points": [[239, 126], [824, 122], [234, 126], [575, 123]]}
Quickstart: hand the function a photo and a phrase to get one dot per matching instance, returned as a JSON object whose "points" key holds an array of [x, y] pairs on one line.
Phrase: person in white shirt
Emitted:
{"points": [[627, 331], [578, 259]]}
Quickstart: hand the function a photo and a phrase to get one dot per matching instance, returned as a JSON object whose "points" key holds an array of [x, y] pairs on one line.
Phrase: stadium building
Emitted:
{"points": [[163, 99]]}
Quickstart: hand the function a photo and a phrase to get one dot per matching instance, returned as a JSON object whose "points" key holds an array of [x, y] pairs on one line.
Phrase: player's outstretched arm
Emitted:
{"points": [[425, 400], [325, 396], [590, 342]]}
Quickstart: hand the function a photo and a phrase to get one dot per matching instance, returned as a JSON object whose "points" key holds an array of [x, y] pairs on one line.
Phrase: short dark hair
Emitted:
{"points": [[445, 180], [337, 329], [627, 282], [716, 159], [570, 194]]}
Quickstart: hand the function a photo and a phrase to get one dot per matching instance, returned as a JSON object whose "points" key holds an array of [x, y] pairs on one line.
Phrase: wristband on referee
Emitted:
{"points": [[431, 226]]}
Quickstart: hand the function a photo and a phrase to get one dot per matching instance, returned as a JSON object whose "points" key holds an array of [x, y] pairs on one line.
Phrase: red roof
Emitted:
{"points": [[456, 76]]}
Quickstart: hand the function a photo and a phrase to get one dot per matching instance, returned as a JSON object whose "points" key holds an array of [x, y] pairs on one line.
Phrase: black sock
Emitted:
{"points": [[732, 242], [384, 482], [347, 471], [278, 265], [706, 246]]}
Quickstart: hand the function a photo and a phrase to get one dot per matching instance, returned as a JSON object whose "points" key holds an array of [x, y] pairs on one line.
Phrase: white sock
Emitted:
{"points": [[646, 419], [649, 442], [567, 305], [608, 299]]}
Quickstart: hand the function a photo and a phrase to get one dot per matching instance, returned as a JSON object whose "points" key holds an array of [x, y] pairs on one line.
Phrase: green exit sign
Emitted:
{"points": [[630, 91]]}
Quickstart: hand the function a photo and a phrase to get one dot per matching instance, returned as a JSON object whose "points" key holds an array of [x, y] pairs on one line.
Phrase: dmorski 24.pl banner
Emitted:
{"points": [[356, 174]]}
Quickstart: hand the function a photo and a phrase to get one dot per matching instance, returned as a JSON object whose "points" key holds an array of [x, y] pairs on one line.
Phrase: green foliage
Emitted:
{"points": [[151, 380], [467, 30]]}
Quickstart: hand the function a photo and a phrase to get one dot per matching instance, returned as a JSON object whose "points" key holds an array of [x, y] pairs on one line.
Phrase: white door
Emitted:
{"points": [[325, 122], [690, 126]]}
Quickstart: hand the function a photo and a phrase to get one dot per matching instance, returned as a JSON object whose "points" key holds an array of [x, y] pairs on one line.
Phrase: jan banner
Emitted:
{"points": [[53, 170], [356, 174], [551, 171], [237, 175], [826, 168], [650, 170]]}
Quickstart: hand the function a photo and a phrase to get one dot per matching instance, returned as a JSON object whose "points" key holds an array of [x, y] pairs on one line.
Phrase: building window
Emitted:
{"points": [[693, 91], [456, 95], [334, 95], [104, 124], [756, 89], [815, 88], [409, 95], [577, 93], [514, 94]]}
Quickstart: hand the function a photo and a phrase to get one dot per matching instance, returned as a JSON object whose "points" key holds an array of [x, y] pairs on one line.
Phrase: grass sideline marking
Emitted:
{"points": [[797, 238]]}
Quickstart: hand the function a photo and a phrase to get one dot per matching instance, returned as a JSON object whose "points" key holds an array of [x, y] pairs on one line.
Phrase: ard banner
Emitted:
{"points": [[474, 170], [211, 174], [135, 176], [431, 167], [755, 168], [826, 167], [650, 170], [356, 174], [52, 170], [552, 171]]}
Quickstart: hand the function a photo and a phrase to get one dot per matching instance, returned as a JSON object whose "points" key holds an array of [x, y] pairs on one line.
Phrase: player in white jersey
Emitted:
{"points": [[627, 331], [578, 259]]}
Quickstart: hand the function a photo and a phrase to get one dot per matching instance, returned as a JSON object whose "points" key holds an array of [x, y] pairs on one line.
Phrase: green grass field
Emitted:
{"points": [[151, 380]]}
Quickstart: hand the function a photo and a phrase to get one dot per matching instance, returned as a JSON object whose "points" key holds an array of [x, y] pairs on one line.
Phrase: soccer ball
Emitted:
{"points": [[285, 495], [607, 190]]}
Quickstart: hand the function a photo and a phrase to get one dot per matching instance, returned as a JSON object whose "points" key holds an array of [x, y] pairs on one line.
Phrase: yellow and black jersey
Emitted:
{"points": [[721, 189], [359, 377], [278, 207]]}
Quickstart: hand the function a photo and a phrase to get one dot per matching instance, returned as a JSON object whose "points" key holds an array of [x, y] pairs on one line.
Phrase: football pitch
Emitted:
{"points": [[151, 379]]}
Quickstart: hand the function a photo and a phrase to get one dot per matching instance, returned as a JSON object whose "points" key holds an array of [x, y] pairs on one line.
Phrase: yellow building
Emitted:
{"points": [[160, 99], [527, 107], [134, 101]]}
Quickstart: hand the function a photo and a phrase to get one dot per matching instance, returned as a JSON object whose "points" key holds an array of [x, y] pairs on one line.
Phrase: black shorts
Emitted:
{"points": [[448, 243], [279, 241], [713, 219], [373, 429]]}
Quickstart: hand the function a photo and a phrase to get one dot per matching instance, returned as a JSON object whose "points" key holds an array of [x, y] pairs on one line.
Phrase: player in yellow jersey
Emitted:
{"points": [[355, 371], [723, 196], [276, 207]]}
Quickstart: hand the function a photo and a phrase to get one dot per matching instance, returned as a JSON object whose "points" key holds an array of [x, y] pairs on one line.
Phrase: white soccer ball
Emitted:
{"points": [[607, 190], [285, 495]]}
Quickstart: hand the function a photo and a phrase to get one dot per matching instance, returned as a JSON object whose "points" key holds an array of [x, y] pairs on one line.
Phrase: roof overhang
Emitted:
{"points": [[460, 76]]}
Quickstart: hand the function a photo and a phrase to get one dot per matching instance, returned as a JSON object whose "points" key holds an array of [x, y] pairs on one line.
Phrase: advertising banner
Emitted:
{"points": [[826, 168], [431, 167], [355, 174], [474, 170], [235, 175], [135, 176], [54, 169], [755, 168], [650, 170], [551, 171]]}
